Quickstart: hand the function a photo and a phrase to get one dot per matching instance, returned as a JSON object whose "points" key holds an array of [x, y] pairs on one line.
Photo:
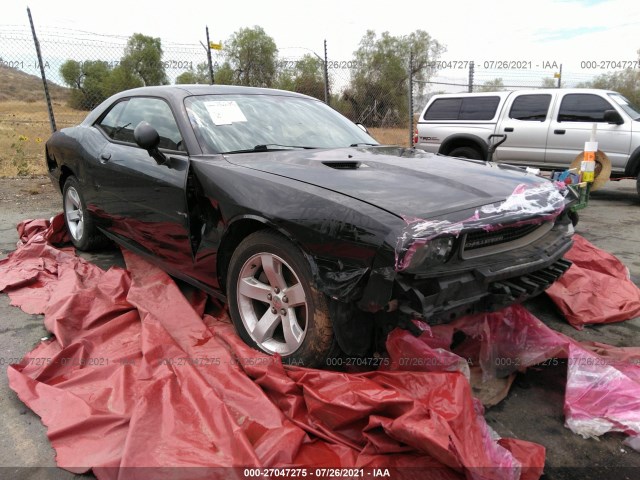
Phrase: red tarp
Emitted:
{"points": [[137, 376], [596, 288]]}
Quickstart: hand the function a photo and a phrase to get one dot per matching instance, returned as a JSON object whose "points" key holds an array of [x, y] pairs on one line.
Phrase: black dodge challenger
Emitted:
{"points": [[318, 238]]}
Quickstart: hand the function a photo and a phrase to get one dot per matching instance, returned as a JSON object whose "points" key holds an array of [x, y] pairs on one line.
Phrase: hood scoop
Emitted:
{"points": [[344, 165]]}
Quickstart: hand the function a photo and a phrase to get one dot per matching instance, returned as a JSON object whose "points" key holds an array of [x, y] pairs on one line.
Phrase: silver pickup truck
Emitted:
{"points": [[545, 128]]}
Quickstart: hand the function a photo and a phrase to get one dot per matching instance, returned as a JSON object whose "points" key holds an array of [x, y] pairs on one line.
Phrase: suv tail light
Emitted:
{"points": [[415, 136]]}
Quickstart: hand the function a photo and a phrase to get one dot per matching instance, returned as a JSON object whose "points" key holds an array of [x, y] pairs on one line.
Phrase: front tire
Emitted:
{"points": [[84, 235], [273, 302], [574, 217]]}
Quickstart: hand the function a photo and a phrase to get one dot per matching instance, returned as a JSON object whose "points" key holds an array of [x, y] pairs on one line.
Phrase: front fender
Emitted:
{"points": [[339, 235]]}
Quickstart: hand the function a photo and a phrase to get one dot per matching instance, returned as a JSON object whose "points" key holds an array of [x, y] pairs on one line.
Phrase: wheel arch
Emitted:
{"points": [[321, 267], [463, 140], [239, 229], [633, 165], [65, 172]]}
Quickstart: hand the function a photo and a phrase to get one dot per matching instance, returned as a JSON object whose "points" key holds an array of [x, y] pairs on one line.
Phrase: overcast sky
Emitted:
{"points": [[566, 31]]}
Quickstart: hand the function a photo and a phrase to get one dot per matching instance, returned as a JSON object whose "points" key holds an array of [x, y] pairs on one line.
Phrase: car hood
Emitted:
{"points": [[407, 183]]}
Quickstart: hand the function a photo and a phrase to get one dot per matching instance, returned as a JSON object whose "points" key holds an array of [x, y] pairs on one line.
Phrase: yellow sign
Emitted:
{"points": [[215, 46], [556, 75]]}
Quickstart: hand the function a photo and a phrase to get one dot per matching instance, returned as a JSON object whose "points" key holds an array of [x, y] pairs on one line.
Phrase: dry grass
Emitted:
{"points": [[391, 136], [24, 127]]}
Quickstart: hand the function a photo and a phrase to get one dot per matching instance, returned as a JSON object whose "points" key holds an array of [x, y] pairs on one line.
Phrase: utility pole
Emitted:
{"points": [[559, 76], [47, 96], [212, 80]]}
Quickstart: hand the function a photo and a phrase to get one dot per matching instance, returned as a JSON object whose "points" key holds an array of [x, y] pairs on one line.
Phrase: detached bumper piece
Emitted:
{"points": [[443, 301], [506, 292]]}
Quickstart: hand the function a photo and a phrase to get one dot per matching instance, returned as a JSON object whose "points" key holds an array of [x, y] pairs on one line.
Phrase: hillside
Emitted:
{"points": [[18, 85], [24, 121]]}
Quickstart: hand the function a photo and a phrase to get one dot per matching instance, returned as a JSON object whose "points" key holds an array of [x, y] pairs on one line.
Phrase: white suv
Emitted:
{"points": [[544, 128]]}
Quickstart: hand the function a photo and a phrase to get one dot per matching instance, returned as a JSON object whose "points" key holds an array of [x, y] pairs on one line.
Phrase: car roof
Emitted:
{"points": [[176, 93], [505, 93], [181, 91]]}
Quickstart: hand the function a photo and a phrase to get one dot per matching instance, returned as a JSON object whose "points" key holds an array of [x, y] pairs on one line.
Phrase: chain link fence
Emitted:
{"points": [[84, 68]]}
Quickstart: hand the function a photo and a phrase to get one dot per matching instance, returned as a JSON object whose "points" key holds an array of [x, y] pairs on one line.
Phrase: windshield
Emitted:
{"points": [[632, 110], [259, 122]]}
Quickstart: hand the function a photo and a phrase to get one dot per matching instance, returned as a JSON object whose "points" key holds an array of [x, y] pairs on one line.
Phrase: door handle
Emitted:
{"points": [[105, 157], [508, 129], [559, 132]]}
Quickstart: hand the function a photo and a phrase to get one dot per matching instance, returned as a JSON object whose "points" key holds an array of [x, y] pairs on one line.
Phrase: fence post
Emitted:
{"points": [[411, 98], [326, 74], [212, 81], [471, 73], [52, 120]]}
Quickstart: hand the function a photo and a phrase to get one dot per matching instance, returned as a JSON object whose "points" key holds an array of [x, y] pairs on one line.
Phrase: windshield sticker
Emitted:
{"points": [[225, 112]]}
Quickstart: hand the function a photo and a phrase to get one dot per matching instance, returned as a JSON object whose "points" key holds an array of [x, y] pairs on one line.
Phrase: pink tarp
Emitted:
{"points": [[139, 376], [603, 382]]}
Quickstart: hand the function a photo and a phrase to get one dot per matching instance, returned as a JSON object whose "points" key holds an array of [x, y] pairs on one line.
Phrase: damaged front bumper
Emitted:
{"points": [[462, 263], [459, 287], [485, 283]]}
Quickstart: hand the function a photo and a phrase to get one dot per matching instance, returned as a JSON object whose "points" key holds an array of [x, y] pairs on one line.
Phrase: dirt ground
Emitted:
{"points": [[532, 411]]}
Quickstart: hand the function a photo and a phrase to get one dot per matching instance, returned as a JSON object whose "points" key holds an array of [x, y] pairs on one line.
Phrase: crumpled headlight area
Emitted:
{"points": [[424, 254], [427, 242]]}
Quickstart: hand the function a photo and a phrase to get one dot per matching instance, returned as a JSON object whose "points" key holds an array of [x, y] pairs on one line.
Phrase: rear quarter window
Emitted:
{"points": [[463, 108]]}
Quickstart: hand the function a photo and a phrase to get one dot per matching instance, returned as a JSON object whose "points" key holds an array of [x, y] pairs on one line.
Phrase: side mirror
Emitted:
{"points": [[147, 137], [612, 116], [363, 128]]}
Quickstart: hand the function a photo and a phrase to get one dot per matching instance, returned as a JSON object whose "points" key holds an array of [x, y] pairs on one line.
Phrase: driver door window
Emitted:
{"points": [[124, 117], [582, 107]]}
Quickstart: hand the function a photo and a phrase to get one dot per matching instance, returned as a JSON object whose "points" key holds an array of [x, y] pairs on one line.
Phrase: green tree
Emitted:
{"points": [[285, 78], [143, 59], [88, 81], [252, 57], [225, 75], [92, 81], [309, 76], [378, 89], [303, 76], [495, 85], [548, 82], [199, 75], [122, 78], [626, 82]]}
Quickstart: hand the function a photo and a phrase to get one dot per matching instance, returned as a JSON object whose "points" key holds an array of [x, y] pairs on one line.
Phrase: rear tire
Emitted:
{"points": [[84, 235], [638, 184], [466, 152], [273, 302]]}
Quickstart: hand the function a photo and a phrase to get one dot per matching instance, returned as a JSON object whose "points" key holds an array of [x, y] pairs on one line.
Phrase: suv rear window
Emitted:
{"points": [[463, 108]]}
